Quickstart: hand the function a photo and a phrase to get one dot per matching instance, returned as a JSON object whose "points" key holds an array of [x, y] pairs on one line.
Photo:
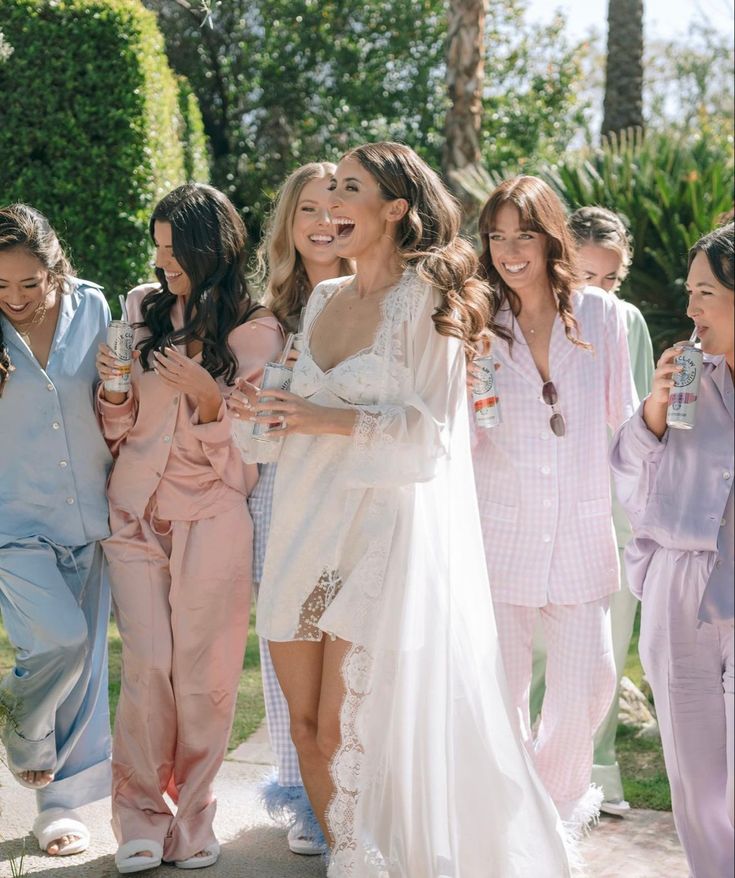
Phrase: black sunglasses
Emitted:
{"points": [[551, 397]]}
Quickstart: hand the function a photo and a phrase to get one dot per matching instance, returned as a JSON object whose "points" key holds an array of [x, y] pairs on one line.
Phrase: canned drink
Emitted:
{"points": [[120, 340], [485, 399], [681, 413], [276, 376]]}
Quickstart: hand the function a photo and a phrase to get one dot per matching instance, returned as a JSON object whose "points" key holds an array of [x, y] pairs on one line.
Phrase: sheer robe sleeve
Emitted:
{"points": [[398, 444]]}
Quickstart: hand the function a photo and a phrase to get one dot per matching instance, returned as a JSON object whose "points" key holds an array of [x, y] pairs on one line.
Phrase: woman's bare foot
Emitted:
{"points": [[57, 847], [38, 779]]}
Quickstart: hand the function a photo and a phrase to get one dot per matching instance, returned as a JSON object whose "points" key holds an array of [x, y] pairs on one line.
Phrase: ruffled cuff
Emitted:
{"points": [[385, 453]]}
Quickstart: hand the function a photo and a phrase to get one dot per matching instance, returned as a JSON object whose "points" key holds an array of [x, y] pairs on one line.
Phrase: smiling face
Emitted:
{"points": [[601, 266], [712, 308], [313, 231], [519, 255], [362, 218], [24, 284], [176, 278]]}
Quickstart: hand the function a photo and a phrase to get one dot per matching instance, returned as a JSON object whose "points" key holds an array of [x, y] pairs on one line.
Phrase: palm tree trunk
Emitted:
{"points": [[465, 72], [623, 107]]}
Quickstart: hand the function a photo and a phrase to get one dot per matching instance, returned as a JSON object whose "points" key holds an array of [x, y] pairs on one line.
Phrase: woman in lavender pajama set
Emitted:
{"points": [[180, 552], [676, 486]]}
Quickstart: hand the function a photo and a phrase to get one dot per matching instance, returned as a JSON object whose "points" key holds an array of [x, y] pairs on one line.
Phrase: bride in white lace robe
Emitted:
{"points": [[375, 540]]}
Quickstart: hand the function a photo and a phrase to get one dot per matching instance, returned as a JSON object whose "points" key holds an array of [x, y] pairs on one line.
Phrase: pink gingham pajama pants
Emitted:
{"points": [[580, 685]]}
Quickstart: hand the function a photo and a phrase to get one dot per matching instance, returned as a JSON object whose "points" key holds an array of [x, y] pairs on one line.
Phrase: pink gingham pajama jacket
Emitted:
{"points": [[549, 540]]}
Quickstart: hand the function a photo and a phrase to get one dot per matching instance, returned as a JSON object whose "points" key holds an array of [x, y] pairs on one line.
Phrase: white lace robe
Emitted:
{"points": [[375, 538]]}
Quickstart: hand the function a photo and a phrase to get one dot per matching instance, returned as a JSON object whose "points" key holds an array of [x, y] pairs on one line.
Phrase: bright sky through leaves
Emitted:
{"points": [[663, 18]]}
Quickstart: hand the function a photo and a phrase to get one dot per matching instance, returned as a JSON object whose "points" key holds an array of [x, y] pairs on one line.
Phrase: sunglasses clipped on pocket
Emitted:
{"points": [[551, 398]]}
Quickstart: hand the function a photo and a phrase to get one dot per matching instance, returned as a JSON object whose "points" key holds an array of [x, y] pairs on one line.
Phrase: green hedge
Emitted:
{"points": [[90, 128], [193, 138]]}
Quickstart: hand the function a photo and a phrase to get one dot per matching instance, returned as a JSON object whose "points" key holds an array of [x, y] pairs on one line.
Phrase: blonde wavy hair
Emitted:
{"points": [[279, 270], [428, 239]]}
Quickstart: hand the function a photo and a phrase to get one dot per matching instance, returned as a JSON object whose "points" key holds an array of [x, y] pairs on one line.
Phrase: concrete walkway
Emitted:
{"points": [[642, 846]]}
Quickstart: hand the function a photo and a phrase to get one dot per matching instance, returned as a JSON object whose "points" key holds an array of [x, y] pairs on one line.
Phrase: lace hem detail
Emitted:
{"points": [[349, 771], [314, 607]]}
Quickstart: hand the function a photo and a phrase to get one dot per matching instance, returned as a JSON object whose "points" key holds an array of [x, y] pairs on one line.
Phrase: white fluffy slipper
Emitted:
{"points": [[56, 822], [127, 862], [210, 858]]}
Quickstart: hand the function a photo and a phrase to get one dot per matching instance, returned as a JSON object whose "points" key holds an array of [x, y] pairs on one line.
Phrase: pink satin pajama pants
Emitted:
{"points": [[181, 593]]}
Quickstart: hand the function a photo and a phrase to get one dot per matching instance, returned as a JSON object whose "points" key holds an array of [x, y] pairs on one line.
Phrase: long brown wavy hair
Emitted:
{"points": [[23, 226], [280, 269], [209, 241], [428, 239], [541, 211]]}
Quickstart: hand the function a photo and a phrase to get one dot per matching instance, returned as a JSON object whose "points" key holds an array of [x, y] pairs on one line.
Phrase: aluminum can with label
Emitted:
{"points": [[120, 341], [276, 376], [485, 400], [681, 413]]}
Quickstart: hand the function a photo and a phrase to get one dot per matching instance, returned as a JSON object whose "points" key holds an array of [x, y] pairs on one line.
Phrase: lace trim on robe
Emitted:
{"points": [[348, 775], [314, 607]]}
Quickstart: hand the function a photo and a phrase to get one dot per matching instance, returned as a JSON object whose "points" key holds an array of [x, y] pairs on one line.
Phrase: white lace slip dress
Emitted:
{"points": [[375, 538]]}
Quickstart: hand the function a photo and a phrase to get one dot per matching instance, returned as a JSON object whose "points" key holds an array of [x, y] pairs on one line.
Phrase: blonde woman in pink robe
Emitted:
{"points": [[180, 553], [677, 488]]}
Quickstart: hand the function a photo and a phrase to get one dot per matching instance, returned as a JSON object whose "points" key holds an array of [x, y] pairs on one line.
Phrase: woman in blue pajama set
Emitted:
{"points": [[54, 596]]}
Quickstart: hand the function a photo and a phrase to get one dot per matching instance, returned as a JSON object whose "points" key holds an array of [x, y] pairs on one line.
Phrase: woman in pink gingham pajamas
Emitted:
{"points": [[180, 553], [543, 481]]}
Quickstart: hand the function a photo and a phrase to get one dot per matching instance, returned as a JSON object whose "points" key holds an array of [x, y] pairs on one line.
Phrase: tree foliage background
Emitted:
{"points": [[282, 82]]}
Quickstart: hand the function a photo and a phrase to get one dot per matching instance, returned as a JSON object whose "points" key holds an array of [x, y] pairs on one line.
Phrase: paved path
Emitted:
{"points": [[642, 846]]}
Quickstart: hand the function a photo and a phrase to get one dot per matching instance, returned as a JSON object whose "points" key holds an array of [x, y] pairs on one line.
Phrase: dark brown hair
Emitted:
{"points": [[719, 248], [427, 237], [23, 226], [208, 240], [540, 211]]}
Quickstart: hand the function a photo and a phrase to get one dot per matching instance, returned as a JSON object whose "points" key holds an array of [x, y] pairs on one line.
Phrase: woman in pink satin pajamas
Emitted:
{"points": [[180, 553]]}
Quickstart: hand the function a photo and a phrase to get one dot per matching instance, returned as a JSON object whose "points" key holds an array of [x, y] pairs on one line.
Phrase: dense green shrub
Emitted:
{"points": [[671, 189], [90, 127], [193, 137]]}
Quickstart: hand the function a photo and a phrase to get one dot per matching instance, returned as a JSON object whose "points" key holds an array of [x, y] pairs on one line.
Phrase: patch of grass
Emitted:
{"points": [[645, 782], [633, 669], [644, 773]]}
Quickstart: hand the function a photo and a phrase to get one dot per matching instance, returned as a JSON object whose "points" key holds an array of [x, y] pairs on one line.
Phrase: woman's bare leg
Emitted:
{"points": [[311, 680]]}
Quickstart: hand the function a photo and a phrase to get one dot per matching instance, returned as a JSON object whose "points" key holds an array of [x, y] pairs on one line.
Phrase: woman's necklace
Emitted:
{"points": [[24, 329]]}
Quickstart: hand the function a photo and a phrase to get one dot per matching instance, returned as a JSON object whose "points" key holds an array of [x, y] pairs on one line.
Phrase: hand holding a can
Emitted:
{"points": [[110, 369], [654, 408], [290, 412]]}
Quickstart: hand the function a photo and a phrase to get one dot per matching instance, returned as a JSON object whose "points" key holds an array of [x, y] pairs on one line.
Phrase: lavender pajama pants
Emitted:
{"points": [[689, 665]]}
